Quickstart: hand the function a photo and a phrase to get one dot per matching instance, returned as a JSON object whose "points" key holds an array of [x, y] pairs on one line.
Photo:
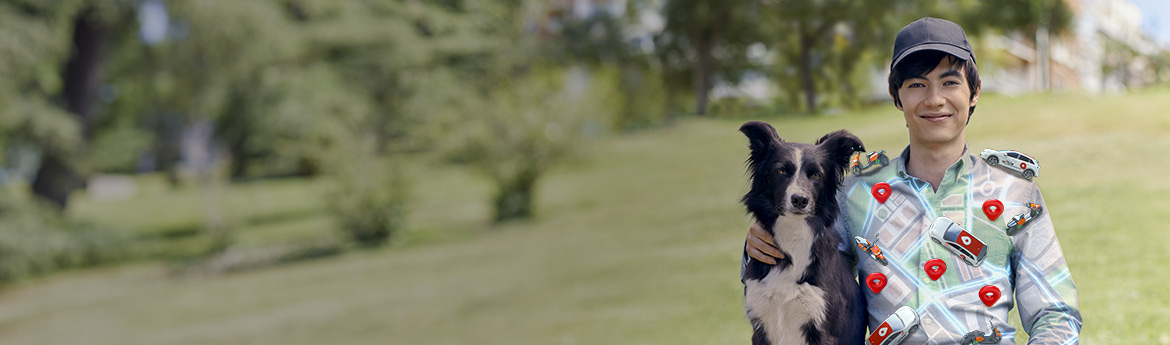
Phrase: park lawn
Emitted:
{"points": [[639, 244]]}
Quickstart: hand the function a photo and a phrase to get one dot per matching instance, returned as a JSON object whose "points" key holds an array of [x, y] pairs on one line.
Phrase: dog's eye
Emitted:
{"points": [[816, 176], [781, 172]]}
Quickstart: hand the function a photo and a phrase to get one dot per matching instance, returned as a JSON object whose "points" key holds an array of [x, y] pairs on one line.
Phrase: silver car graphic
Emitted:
{"points": [[957, 240], [1027, 166]]}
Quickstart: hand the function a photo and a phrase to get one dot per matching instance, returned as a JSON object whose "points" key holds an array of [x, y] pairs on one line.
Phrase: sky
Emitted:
{"points": [[1156, 19]]}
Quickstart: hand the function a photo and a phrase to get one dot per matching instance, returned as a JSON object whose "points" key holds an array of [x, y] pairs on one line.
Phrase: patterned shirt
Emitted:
{"points": [[1028, 267], [1029, 263]]}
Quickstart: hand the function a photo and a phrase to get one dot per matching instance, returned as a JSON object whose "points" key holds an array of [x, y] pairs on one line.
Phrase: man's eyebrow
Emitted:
{"points": [[951, 73]]}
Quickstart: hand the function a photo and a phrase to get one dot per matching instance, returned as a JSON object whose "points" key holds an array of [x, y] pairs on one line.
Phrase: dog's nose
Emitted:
{"points": [[799, 201]]}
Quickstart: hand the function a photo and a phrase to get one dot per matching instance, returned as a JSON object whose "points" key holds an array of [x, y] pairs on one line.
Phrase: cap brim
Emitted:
{"points": [[943, 47]]}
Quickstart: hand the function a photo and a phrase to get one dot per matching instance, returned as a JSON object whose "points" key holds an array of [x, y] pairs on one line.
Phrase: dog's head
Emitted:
{"points": [[795, 178]]}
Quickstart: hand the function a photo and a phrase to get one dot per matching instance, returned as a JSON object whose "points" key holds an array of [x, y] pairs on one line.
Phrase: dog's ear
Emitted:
{"points": [[762, 139], [840, 145]]}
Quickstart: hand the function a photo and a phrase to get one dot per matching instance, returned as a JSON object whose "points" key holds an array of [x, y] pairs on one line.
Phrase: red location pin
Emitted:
{"points": [[992, 208], [876, 282], [881, 191], [935, 268], [989, 294]]}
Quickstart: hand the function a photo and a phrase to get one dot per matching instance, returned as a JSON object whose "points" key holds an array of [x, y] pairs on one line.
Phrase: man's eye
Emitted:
{"points": [[951, 82]]}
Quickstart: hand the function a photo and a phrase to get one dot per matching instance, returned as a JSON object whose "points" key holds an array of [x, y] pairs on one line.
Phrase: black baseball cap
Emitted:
{"points": [[932, 34]]}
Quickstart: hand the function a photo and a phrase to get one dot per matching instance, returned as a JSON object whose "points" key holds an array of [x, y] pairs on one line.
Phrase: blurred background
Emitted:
{"points": [[511, 171]]}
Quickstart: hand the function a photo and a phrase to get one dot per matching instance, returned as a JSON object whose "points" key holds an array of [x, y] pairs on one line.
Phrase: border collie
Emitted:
{"points": [[811, 296]]}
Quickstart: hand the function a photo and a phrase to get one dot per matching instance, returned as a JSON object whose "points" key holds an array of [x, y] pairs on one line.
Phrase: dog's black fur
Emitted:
{"points": [[828, 269]]}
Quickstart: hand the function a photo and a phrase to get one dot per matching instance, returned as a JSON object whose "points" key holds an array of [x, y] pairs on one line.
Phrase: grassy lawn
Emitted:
{"points": [[640, 244]]}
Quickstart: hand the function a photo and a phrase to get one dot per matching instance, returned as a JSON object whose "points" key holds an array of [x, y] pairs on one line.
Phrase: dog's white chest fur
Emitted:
{"points": [[781, 305]]}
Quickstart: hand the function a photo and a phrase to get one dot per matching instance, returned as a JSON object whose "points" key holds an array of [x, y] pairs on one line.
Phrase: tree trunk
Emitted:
{"points": [[55, 179], [82, 72], [514, 200], [702, 71], [806, 69]]}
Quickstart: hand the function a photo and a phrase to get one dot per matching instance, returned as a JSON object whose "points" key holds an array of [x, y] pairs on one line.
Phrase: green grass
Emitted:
{"points": [[639, 244]]}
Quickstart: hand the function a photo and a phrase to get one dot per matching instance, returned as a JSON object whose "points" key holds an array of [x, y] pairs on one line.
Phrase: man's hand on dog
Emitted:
{"points": [[760, 245]]}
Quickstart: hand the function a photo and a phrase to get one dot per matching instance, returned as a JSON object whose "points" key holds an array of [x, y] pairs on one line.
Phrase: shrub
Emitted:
{"points": [[368, 197], [36, 240]]}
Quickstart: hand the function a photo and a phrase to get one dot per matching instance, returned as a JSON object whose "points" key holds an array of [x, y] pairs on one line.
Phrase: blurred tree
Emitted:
{"points": [[707, 39], [217, 61], [524, 128], [1038, 20], [602, 42], [54, 52], [36, 100], [521, 104], [31, 49], [819, 44], [1028, 16]]}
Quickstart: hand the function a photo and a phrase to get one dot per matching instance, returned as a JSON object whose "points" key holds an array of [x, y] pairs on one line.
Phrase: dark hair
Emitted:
{"points": [[920, 63]]}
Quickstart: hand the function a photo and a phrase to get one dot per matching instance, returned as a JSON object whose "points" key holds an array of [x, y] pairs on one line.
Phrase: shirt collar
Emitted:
{"points": [[960, 168]]}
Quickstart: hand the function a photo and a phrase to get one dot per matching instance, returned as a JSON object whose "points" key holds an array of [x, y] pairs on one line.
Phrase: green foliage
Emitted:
{"points": [[600, 42], [526, 127], [32, 47], [643, 97], [34, 240], [368, 196], [1012, 15], [707, 40], [823, 48], [117, 149], [740, 108]]}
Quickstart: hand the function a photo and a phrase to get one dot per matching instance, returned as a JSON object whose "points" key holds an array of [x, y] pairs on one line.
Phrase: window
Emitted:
{"points": [[961, 250]]}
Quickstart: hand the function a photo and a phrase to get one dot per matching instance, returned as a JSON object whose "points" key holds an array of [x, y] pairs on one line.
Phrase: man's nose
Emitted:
{"points": [[934, 98]]}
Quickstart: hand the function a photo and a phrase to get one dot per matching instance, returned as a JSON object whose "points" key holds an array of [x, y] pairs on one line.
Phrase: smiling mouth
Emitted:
{"points": [[935, 117]]}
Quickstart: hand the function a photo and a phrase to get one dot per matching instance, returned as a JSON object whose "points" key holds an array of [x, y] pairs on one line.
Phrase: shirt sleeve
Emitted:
{"points": [[1045, 293], [743, 262], [841, 225]]}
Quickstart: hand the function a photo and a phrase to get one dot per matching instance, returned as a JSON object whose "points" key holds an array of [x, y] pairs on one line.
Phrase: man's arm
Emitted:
{"points": [[760, 246], [1045, 292]]}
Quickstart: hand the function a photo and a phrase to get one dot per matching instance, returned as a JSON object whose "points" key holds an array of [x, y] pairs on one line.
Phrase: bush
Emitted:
{"points": [[35, 240], [525, 128], [368, 197]]}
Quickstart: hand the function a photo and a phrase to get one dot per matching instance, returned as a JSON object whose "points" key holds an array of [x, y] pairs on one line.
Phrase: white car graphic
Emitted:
{"points": [[957, 240], [1026, 165], [896, 327]]}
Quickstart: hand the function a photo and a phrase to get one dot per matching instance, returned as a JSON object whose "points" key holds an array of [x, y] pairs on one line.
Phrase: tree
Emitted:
{"points": [[524, 128], [1037, 19], [513, 101], [820, 43], [599, 41], [70, 41], [704, 40]]}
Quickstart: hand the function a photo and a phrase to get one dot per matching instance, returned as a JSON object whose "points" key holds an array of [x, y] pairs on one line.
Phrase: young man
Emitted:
{"points": [[935, 83]]}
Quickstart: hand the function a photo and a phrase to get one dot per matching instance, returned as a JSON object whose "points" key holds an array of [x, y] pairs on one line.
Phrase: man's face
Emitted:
{"points": [[936, 105]]}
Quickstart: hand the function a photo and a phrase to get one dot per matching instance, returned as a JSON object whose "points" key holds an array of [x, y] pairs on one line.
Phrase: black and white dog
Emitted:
{"points": [[811, 296]]}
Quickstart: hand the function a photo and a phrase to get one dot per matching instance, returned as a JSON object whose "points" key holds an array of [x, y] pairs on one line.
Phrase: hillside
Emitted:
{"points": [[638, 244]]}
